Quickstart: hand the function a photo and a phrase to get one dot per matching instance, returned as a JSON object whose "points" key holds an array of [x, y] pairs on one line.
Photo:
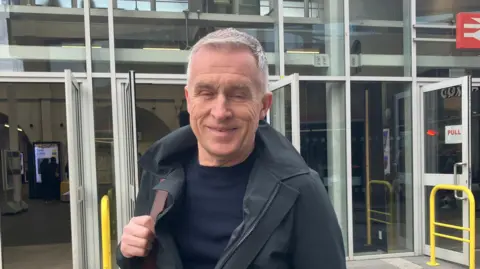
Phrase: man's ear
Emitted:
{"points": [[187, 98], [266, 105]]}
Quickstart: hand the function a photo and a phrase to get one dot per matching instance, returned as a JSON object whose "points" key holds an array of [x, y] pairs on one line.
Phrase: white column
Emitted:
{"points": [[46, 109], [279, 32], [335, 96], [407, 38], [409, 186], [336, 151], [334, 46], [13, 134]]}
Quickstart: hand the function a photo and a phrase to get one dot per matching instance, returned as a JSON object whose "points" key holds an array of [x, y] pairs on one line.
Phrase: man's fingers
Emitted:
{"points": [[132, 251], [139, 231], [138, 242], [145, 221]]}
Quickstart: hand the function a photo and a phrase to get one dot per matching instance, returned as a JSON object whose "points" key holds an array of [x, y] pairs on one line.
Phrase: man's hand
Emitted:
{"points": [[137, 237]]}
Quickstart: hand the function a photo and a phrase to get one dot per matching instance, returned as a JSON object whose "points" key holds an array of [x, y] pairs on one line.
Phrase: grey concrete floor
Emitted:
{"points": [[404, 263]]}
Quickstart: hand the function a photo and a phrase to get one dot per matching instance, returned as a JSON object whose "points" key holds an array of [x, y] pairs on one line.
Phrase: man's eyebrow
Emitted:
{"points": [[239, 86], [204, 85]]}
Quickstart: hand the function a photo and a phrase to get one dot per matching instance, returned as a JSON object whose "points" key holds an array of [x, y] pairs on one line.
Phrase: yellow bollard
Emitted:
{"points": [[470, 229], [106, 240]]}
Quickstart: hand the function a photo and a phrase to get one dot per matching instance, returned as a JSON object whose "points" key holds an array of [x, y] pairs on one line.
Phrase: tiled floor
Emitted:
{"points": [[58, 256], [404, 263]]}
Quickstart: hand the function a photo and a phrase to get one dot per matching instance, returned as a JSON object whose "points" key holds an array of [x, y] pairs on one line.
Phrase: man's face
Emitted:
{"points": [[225, 101]]}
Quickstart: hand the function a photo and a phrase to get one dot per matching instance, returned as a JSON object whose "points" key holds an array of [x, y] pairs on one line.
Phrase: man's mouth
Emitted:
{"points": [[222, 130]]}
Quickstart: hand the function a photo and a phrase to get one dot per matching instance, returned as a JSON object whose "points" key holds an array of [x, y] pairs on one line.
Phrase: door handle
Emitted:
{"points": [[456, 182]]}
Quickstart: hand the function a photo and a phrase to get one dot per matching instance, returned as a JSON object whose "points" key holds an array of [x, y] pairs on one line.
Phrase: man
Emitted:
{"points": [[233, 192]]}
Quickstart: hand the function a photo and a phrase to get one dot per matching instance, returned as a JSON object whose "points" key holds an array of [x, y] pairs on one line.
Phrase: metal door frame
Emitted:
{"points": [[294, 82], [457, 257]]}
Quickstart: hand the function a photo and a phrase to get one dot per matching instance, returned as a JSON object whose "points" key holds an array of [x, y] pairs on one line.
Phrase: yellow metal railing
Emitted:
{"points": [[470, 229], [106, 240], [388, 215]]}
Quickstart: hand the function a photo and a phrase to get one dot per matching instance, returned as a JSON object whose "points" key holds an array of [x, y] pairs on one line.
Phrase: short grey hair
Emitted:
{"points": [[236, 39]]}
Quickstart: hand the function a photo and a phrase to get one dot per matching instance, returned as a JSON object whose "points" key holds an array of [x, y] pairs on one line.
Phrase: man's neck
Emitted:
{"points": [[207, 159]]}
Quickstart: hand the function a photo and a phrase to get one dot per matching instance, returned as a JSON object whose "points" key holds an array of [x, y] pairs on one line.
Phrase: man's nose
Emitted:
{"points": [[221, 109]]}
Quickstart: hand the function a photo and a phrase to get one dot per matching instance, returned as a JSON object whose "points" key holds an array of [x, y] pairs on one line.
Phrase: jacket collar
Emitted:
{"points": [[277, 153]]}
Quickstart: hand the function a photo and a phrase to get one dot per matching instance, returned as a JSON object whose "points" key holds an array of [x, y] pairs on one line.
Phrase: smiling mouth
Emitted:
{"points": [[222, 130]]}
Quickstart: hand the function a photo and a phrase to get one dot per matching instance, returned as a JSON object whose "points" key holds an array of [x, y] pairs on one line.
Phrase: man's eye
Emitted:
{"points": [[206, 93]]}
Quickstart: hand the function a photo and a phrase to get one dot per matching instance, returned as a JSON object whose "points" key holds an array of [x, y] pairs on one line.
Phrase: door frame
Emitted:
{"points": [[294, 82], [92, 221], [457, 257]]}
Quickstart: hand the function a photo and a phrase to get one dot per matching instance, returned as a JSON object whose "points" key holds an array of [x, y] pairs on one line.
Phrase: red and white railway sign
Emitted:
{"points": [[468, 30]]}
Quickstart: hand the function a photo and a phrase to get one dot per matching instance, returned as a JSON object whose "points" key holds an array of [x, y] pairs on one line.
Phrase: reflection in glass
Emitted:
{"points": [[441, 113], [443, 59], [443, 12], [314, 37], [54, 50], [475, 152], [104, 151], [380, 42], [323, 139], [382, 167], [160, 42], [281, 111]]}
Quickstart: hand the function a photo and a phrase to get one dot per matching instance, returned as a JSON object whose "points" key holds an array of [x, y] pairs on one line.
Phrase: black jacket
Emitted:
{"points": [[289, 221]]}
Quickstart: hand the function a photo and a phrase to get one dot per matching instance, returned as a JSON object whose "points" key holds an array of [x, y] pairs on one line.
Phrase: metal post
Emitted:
{"points": [[106, 240]]}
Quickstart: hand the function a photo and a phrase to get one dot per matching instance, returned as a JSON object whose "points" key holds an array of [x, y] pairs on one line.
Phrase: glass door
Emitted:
{"points": [[82, 175], [284, 115], [446, 160], [125, 148]]}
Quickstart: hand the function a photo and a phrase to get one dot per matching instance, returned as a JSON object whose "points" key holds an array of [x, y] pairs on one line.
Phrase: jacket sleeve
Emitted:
{"points": [[317, 241], [142, 207]]}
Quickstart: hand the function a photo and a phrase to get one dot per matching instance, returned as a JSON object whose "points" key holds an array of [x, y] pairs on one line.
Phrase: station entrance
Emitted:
{"points": [[450, 148]]}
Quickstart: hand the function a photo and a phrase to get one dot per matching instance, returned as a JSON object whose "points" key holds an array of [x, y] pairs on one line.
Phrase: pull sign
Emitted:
{"points": [[453, 134]]}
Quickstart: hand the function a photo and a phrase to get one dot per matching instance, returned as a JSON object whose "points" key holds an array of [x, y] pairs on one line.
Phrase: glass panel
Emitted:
{"points": [[105, 153], [323, 140], [99, 38], [241, 7], [144, 46], [36, 112], [443, 59], [380, 38], [314, 37], [281, 111], [448, 210], [42, 38], [438, 12], [442, 114], [475, 153], [382, 156]]}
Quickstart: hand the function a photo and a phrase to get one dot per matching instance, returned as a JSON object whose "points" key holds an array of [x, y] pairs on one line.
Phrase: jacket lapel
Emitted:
{"points": [[266, 203]]}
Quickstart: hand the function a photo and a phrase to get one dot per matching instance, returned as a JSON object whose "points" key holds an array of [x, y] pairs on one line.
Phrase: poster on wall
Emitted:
{"points": [[43, 153], [386, 151]]}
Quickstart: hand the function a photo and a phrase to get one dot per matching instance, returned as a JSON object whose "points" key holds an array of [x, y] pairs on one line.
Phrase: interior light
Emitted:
{"points": [[8, 126], [79, 47], [303, 52], [150, 48]]}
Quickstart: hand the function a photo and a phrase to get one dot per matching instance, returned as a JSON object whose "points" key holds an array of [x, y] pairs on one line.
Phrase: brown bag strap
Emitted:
{"points": [[157, 208]]}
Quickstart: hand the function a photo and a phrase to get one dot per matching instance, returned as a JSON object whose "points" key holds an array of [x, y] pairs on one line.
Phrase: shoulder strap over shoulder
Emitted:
{"points": [[157, 207]]}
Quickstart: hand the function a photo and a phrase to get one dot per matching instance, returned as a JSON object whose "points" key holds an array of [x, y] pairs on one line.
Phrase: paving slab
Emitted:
{"points": [[403, 263]]}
